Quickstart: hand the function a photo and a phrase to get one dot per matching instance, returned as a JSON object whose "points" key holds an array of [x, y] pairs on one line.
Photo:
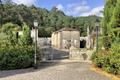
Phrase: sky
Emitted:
{"points": [[69, 7]]}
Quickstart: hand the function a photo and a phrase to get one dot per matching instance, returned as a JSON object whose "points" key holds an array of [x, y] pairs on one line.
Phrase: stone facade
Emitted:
{"points": [[65, 38], [80, 54]]}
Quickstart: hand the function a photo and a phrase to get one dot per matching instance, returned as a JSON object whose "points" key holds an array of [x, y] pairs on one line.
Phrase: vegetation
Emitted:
{"points": [[49, 21], [109, 59], [25, 38], [110, 22], [15, 50], [16, 57], [13, 54]]}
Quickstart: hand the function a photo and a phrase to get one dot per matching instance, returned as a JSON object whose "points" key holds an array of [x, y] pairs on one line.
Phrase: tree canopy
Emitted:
{"points": [[111, 22], [49, 21]]}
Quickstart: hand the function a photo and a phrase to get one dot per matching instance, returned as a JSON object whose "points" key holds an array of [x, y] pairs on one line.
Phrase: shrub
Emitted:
{"points": [[26, 39], [107, 42], [108, 60], [17, 57], [10, 27], [112, 64], [99, 58]]}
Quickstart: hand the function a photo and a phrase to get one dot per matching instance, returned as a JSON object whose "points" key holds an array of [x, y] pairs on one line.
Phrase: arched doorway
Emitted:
{"points": [[83, 44]]}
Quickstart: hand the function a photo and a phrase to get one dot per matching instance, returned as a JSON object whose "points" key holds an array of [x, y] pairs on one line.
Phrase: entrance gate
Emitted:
{"points": [[49, 53]]}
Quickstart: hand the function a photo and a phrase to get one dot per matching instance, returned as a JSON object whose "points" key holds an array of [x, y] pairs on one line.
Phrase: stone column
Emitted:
{"points": [[59, 40], [88, 41], [53, 40], [33, 34]]}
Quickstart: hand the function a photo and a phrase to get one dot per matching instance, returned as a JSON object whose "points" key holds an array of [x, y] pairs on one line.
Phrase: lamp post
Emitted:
{"points": [[97, 33], [35, 39]]}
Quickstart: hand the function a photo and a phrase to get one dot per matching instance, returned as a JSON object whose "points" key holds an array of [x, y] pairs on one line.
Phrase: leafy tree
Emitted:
{"points": [[10, 27], [10, 30], [49, 31], [26, 37], [42, 32], [17, 14], [66, 21]]}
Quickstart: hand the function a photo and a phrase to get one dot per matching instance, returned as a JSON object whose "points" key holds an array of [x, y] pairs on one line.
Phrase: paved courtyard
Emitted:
{"points": [[55, 71]]}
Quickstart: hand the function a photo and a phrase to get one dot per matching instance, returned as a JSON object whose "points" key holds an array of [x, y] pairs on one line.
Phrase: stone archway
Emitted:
{"points": [[83, 44]]}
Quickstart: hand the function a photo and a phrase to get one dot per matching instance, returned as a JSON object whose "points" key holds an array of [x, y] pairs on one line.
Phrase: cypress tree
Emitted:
{"points": [[108, 12], [115, 21]]}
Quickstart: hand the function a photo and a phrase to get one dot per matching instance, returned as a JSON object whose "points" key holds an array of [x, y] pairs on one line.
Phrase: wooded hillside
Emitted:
{"points": [[49, 21]]}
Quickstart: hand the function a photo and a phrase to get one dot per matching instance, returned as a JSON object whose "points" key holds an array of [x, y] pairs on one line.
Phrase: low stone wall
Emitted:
{"points": [[43, 42], [80, 54]]}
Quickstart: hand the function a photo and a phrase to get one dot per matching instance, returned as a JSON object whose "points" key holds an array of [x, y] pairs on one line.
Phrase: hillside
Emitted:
{"points": [[49, 21]]}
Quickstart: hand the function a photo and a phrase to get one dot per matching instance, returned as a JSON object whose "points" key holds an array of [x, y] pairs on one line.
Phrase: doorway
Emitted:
{"points": [[83, 44]]}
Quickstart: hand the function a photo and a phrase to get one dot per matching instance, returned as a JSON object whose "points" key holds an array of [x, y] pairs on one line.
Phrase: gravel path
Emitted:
{"points": [[54, 71]]}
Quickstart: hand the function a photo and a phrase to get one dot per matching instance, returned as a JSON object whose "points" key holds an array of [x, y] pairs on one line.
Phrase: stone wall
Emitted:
{"points": [[41, 42], [71, 37], [64, 39], [80, 54]]}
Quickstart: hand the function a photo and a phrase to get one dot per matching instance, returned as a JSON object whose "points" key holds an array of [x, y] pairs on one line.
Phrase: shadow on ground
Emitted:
{"points": [[42, 65], [57, 55]]}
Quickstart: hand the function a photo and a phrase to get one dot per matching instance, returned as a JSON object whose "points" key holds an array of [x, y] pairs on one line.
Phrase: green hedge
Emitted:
{"points": [[108, 60], [16, 57]]}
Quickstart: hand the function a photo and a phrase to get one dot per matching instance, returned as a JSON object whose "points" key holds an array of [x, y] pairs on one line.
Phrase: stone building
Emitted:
{"points": [[65, 38]]}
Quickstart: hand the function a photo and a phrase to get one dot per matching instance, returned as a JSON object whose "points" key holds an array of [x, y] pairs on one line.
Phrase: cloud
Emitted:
{"points": [[60, 7], [77, 4], [25, 2], [74, 9], [94, 11], [77, 8], [81, 9]]}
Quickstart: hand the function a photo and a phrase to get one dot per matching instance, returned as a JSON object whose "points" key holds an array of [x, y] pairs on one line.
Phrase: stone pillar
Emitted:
{"points": [[33, 34], [52, 39], [55, 39], [88, 40], [59, 40], [88, 31]]}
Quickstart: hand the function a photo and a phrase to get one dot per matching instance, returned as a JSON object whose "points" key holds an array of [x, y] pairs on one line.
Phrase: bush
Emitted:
{"points": [[26, 39], [17, 57], [108, 60], [112, 64], [107, 42], [99, 58]]}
